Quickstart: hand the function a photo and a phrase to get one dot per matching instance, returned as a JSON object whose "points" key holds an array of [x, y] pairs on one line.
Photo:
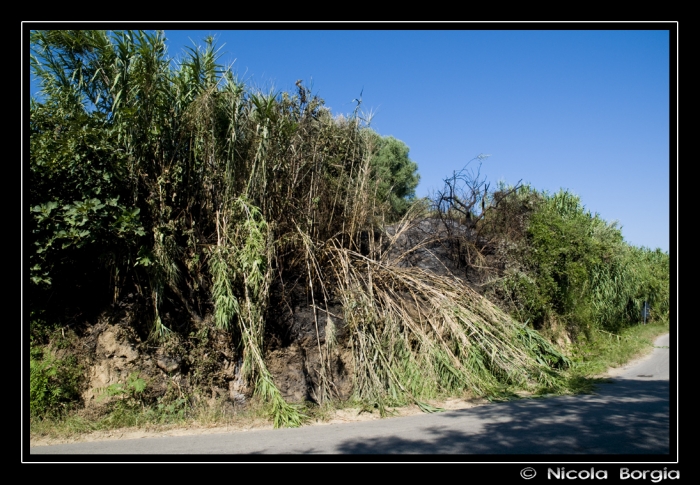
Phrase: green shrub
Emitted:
{"points": [[54, 384], [577, 269], [129, 394]]}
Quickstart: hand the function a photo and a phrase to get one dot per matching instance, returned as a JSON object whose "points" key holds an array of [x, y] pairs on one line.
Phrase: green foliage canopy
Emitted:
{"points": [[396, 173]]}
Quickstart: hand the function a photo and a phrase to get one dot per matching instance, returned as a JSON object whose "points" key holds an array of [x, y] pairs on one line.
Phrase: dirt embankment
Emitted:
{"points": [[205, 367]]}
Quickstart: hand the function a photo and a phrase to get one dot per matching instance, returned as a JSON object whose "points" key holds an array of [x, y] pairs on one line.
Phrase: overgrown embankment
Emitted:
{"points": [[192, 240]]}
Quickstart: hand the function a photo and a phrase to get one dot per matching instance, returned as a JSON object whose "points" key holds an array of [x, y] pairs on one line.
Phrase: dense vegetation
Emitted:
{"points": [[549, 261], [577, 269], [177, 183]]}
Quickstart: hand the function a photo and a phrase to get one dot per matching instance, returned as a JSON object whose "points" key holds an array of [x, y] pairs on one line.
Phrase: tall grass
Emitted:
{"points": [[232, 190]]}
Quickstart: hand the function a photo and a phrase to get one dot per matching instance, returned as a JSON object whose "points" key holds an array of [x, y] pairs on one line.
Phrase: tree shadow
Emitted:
{"points": [[625, 417]]}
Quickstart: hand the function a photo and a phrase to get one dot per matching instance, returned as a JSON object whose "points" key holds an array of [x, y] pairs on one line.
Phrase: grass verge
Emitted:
{"points": [[602, 350]]}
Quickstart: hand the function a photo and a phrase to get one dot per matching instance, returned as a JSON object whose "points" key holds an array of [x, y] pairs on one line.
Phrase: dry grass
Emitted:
{"points": [[417, 335]]}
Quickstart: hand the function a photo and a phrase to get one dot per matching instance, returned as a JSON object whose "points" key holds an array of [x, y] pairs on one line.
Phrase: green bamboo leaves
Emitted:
{"points": [[241, 278]]}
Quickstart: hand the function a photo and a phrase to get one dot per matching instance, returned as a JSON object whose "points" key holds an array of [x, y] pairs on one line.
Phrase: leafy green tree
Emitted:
{"points": [[396, 174]]}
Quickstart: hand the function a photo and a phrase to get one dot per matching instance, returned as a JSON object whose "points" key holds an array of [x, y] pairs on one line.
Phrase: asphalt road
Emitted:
{"points": [[630, 415]]}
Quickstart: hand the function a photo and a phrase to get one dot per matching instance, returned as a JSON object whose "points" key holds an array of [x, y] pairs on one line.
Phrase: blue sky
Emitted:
{"points": [[584, 110]]}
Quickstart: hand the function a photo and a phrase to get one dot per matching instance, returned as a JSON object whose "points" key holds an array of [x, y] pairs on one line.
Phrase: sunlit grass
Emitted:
{"points": [[603, 350]]}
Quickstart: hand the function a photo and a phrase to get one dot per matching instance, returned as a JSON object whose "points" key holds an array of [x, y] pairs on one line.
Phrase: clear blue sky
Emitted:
{"points": [[582, 110]]}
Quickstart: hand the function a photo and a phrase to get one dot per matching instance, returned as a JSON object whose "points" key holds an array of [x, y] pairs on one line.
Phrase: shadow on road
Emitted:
{"points": [[624, 417]]}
